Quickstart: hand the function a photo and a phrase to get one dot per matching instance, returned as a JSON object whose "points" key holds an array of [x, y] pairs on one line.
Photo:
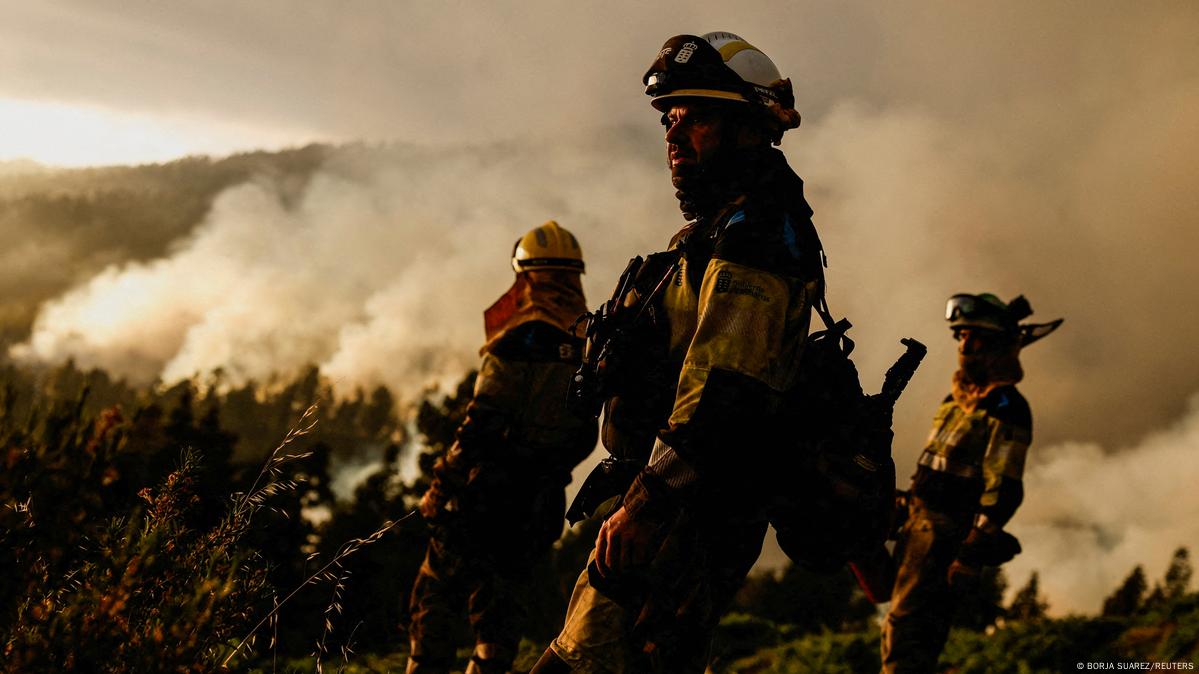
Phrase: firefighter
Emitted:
{"points": [[968, 480], [725, 312], [497, 498]]}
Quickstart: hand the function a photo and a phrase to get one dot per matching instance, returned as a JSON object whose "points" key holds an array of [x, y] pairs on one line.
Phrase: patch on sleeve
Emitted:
{"points": [[727, 282]]}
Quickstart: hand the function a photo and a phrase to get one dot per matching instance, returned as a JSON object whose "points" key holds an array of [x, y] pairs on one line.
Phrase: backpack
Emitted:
{"points": [[840, 502]]}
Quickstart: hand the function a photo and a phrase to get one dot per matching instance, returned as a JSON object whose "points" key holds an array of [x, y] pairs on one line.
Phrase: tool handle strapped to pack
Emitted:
{"points": [[609, 332], [843, 507], [585, 395], [899, 374]]}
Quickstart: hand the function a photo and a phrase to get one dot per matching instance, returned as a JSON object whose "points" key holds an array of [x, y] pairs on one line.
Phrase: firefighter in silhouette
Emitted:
{"points": [[718, 327], [967, 483], [497, 498]]}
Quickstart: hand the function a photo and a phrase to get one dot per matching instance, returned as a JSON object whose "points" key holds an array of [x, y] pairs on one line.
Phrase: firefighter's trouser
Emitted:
{"points": [[706, 562], [922, 603], [484, 564]]}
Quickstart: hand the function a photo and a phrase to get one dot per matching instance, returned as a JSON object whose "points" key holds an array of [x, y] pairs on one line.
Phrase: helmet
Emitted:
{"points": [[720, 66], [987, 312], [547, 247]]}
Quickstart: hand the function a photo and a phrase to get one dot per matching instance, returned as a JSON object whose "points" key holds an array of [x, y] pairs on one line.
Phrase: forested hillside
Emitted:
{"points": [[62, 226], [181, 527], [133, 538]]}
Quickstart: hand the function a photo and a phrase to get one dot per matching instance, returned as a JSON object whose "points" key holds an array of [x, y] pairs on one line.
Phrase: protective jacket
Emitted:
{"points": [[967, 486], [702, 394], [974, 459], [729, 331], [496, 503]]}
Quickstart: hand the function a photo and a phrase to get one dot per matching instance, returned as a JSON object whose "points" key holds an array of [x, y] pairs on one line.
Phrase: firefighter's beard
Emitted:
{"points": [[991, 366], [703, 188], [693, 189], [973, 368], [979, 373]]}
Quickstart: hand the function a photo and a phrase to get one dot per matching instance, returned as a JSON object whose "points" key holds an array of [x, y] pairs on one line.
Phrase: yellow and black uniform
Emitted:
{"points": [[700, 403], [497, 500], [968, 484]]}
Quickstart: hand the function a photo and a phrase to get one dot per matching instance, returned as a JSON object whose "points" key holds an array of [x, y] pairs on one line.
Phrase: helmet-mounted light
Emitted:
{"points": [[725, 67]]}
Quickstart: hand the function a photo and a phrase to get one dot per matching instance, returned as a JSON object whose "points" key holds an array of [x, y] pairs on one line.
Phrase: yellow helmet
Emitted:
{"points": [[547, 247]]}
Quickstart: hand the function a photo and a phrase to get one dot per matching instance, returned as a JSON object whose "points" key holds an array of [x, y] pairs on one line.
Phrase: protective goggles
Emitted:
{"points": [[965, 306]]}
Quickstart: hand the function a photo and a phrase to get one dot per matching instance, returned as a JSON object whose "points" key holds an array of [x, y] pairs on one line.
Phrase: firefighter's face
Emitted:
{"points": [[982, 353], [694, 135], [973, 341]]}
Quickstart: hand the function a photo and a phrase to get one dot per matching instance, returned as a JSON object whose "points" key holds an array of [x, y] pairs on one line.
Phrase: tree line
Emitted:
{"points": [[175, 528]]}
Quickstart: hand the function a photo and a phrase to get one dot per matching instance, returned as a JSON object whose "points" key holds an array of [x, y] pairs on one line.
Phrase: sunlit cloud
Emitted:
{"points": [[58, 134]]}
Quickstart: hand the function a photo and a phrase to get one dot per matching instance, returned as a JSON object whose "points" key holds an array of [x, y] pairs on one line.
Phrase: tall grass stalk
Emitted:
{"points": [[325, 573]]}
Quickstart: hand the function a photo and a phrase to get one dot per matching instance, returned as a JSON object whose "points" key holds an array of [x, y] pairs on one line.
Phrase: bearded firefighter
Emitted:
{"points": [[968, 481], [694, 378], [497, 500]]}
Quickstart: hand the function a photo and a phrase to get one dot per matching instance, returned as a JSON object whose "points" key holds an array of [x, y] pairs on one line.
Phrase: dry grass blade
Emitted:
{"points": [[254, 495], [323, 573]]}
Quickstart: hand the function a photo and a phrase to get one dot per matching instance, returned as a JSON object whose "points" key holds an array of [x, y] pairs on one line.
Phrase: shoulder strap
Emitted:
{"points": [[821, 303]]}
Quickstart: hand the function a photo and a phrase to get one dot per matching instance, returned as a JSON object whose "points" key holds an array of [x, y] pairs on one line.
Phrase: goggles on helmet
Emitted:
{"points": [[979, 311], [987, 312], [959, 306]]}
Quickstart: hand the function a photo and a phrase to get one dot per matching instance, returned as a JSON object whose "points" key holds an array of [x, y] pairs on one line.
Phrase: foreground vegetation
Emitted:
{"points": [[188, 528]]}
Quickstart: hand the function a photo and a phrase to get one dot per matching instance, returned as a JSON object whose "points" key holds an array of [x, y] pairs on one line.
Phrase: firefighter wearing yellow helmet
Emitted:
{"points": [[496, 502], [968, 480], [547, 247], [716, 326]]}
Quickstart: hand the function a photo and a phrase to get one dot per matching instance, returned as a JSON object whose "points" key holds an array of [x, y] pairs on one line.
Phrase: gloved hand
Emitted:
{"points": [[988, 548], [629, 538], [435, 503], [962, 577], [449, 480]]}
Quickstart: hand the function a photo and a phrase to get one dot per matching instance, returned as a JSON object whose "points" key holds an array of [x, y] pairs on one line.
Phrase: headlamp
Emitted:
{"points": [[654, 82]]}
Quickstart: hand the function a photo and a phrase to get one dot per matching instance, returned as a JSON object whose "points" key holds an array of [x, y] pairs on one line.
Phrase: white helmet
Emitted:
{"points": [[724, 66]]}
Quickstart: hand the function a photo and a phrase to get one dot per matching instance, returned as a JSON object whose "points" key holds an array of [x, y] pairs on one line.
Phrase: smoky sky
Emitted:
{"points": [[1016, 148], [460, 70]]}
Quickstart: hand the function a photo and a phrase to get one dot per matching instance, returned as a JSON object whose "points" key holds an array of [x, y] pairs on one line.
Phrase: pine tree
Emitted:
{"points": [[1027, 604], [1129, 598], [1178, 575]]}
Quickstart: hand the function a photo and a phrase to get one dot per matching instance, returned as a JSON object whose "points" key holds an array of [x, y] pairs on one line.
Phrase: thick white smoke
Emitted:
{"points": [[380, 269], [378, 272], [1092, 513], [1050, 151]]}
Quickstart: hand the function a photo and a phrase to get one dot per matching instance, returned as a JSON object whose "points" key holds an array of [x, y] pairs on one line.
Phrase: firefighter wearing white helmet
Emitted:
{"points": [[496, 502], [722, 66], [694, 388], [968, 482]]}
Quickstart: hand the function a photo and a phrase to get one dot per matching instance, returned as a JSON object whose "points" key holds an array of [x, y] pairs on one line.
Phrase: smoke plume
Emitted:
{"points": [[1092, 513], [1050, 151], [378, 272]]}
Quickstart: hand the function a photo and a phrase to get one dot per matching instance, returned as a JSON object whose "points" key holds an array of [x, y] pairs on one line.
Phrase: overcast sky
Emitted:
{"points": [[291, 72], [1049, 149]]}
